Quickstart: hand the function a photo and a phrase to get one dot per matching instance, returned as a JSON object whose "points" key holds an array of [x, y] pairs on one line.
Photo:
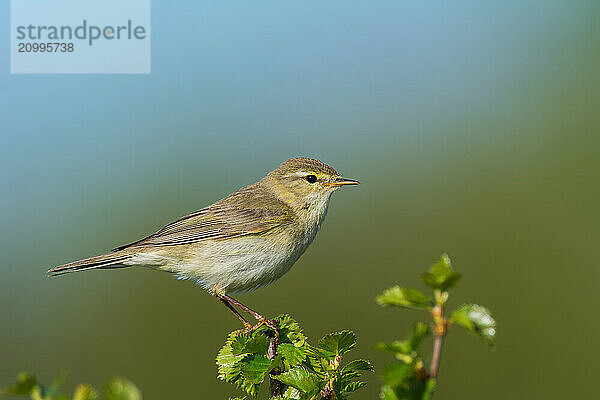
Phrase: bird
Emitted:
{"points": [[242, 242]]}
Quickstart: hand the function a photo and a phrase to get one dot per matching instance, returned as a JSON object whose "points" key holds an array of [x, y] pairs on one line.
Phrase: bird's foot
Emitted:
{"points": [[271, 323], [248, 328]]}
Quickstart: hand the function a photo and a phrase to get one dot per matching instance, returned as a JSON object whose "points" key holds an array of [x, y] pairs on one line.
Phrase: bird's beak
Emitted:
{"points": [[339, 181]]}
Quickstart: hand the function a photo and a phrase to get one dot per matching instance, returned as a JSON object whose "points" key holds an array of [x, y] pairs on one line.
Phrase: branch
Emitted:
{"points": [[437, 355], [276, 386], [439, 333]]}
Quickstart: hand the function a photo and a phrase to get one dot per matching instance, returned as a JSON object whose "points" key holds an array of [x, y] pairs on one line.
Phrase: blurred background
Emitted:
{"points": [[474, 128]]}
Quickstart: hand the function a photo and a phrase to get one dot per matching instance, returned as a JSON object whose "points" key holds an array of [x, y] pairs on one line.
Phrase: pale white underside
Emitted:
{"points": [[240, 264]]}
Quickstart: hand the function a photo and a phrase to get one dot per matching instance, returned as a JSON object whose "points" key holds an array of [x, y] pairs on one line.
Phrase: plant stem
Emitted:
{"points": [[276, 386], [437, 355], [440, 329]]}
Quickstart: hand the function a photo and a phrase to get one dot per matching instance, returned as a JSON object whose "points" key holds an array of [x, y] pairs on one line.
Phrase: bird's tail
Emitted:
{"points": [[109, 260]]}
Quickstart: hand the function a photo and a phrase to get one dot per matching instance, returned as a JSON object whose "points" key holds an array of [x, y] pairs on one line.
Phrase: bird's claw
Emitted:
{"points": [[271, 323], [248, 328]]}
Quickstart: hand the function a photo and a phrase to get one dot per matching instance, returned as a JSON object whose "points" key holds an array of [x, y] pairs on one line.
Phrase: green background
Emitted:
{"points": [[473, 127]]}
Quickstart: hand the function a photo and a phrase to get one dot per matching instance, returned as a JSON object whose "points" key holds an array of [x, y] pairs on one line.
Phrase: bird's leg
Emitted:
{"points": [[243, 307], [246, 324], [261, 320]]}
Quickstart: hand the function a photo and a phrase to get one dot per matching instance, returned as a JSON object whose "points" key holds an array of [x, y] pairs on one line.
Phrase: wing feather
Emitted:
{"points": [[249, 211]]}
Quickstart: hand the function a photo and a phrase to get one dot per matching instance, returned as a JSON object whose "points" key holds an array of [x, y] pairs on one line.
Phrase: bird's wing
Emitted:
{"points": [[236, 215]]}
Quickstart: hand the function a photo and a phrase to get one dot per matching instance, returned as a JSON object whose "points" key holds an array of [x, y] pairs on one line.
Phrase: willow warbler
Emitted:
{"points": [[243, 242]]}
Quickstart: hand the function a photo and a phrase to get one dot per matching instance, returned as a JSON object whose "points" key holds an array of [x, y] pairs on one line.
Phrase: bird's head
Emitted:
{"points": [[305, 182]]}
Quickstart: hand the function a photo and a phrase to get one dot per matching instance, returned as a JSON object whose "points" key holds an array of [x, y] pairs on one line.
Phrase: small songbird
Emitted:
{"points": [[243, 242]]}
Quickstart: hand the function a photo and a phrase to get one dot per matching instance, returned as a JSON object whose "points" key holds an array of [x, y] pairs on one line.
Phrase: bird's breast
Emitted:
{"points": [[249, 262]]}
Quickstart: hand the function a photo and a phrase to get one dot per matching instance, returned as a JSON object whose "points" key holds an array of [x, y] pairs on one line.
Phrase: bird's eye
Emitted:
{"points": [[311, 178]]}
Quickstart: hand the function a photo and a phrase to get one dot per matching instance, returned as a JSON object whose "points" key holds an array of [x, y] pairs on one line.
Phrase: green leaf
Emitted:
{"points": [[338, 385], [257, 344], [338, 343], [255, 368], [412, 389], [247, 386], [229, 368], [404, 297], [84, 392], [291, 393], [24, 385], [347, 377], [121, 389], [398, 347], [354, 386], [299, 378], [230, 355], [443, 267], [397, 373], [405, 349], [315, 352], [477, 320], [358, 365], [418, 390], [420, 332], [36, 393], [237, 343], [290, 331], [318, 361], [440, 275], [292, 354], [388, 393], [428, 389], [242, 360]]}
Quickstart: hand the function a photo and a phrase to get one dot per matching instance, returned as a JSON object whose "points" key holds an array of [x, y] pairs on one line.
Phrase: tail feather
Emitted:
{"points": [[109, 260]]}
